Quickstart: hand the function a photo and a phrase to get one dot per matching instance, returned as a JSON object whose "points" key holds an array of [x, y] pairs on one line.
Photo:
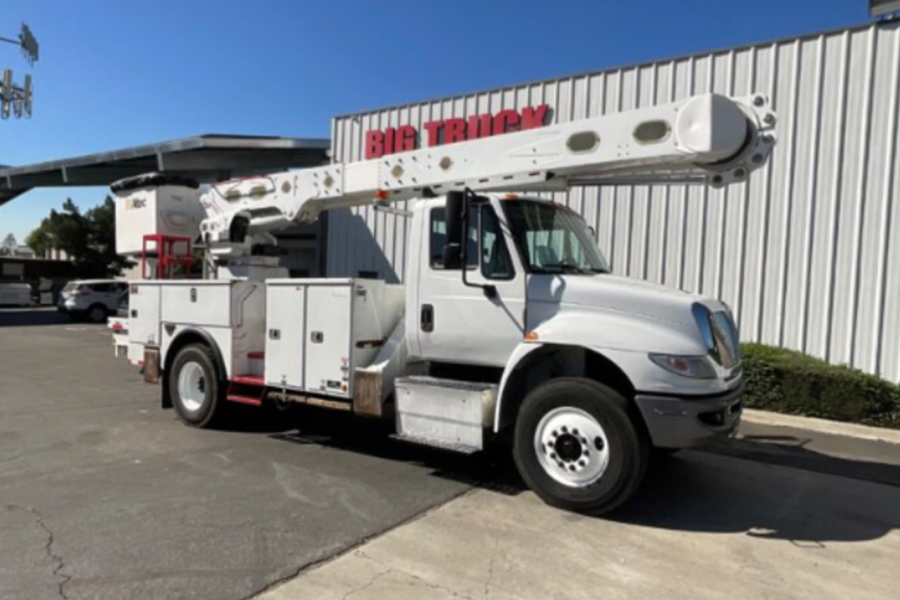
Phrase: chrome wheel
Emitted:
{"points": [[571, 446], [191, 386]]}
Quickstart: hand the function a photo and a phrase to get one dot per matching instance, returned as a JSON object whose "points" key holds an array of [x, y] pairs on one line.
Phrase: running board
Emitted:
{"points": [[433, 443], [244, 399]]}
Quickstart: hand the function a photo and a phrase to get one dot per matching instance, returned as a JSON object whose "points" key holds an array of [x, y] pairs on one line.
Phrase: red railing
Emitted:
{"points": [[166, 248]]}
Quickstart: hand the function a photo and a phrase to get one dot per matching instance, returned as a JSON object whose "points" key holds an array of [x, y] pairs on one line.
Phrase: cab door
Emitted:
{"points": [[462, 322]]}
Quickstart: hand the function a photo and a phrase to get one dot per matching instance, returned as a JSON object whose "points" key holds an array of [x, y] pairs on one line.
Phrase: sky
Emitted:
{"points": [[117, 74]]}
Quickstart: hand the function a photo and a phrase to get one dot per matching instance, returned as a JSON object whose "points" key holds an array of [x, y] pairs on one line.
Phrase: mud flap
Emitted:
{"points": [[367, 393], [151, 365]]}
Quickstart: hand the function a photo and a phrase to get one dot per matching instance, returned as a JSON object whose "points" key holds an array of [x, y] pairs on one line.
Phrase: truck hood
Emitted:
{"points": [[617, 311]]}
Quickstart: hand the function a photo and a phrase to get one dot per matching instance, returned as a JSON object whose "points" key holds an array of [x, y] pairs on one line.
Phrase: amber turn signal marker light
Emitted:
{"points": [[531, 336]]}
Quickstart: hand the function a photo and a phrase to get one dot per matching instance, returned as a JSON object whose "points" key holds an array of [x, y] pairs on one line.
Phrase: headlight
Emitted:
{"points": [[697, 367], [719, 335]]}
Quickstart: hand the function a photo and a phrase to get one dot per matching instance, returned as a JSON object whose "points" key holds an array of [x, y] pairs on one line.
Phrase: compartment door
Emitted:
{"points": [[328, 339], [143, 314], [285, 340]]}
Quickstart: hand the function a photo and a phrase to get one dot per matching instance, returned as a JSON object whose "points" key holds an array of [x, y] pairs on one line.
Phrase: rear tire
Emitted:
{"points": [[577, 447], [97, 313], [196, 390]]}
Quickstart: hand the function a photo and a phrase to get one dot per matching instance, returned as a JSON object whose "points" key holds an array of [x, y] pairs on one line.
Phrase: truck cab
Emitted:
{"points": [[534, 307]]}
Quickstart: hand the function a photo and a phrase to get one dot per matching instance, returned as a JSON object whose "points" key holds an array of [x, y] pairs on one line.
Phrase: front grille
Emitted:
{"points": [[726, 345]]}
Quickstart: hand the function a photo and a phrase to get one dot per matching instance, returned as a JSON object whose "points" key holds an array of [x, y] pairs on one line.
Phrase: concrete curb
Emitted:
{"points": [[863, 432]]}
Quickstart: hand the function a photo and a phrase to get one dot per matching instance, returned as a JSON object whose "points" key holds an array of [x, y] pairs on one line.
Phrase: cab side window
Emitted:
{"points": [[495, 260], [438, 234]]}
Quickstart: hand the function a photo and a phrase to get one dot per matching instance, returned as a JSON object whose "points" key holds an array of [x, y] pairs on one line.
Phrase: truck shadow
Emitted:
{"points": [[492, 469], [806, 498], [803, 497], [31, 317]]}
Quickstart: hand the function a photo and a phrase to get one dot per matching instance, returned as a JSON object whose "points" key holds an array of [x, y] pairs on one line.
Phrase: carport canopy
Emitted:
{"points": [[204, 158]]}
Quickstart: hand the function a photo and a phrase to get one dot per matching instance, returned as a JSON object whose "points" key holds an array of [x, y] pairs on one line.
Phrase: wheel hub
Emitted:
{"points": [[571, 446], [568, 447], [192, 386]]}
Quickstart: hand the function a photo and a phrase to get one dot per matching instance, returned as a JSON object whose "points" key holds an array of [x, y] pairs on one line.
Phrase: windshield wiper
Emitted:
{"points": [[568, 267]]}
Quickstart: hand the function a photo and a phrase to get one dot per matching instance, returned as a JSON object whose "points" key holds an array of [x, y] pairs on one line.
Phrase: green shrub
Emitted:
{"points": [[790, 382]]}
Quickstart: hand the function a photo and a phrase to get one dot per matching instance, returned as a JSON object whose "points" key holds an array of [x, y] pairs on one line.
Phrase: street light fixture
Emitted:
{"points": [[30, 47]]}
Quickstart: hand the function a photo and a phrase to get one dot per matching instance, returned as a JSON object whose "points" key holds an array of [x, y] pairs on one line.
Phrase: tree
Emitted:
{"points": [[89, 239], [9, 246]]}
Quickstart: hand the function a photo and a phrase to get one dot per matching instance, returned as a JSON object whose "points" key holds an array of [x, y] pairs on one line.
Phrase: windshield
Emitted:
{"points": [[553, 239]]}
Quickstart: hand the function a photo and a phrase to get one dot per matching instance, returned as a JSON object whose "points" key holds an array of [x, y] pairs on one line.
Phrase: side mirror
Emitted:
{"points": [[456, 210]]}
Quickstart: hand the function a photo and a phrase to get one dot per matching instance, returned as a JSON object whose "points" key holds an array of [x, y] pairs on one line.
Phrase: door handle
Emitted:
{"points": [[427, 318]]}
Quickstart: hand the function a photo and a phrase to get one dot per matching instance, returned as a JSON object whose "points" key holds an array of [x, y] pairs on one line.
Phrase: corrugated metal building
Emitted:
{"points": [[805, 252]]}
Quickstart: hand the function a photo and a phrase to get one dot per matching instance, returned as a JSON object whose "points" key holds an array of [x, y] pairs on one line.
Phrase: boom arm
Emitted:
{"points": [[708, 139]]}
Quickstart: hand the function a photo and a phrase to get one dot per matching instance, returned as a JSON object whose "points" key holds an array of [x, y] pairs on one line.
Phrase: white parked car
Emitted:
{"points": [[15, 294], [92, 299]]}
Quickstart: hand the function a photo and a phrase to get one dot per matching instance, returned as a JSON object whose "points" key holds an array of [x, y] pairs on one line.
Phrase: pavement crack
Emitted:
{"points": [[418, 580], [490, 577], [366, 586], [58, 561]]}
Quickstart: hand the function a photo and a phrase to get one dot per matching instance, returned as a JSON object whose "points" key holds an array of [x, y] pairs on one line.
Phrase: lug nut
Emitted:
{"points": [[565, 429], [553, 455]]}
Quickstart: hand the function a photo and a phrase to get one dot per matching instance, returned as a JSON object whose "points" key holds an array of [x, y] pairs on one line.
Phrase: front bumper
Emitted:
{"points": [[686, 421]]}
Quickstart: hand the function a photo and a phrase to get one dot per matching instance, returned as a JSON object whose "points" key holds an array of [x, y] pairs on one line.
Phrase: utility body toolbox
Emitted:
{"points": [[229, 311], [318, 331]]}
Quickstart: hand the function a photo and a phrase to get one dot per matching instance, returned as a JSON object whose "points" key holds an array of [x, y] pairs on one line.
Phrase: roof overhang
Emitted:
{"points": [[205, 158]]}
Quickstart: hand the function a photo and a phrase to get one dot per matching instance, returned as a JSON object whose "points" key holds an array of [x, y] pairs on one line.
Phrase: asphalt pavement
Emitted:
{"points": [[105, 495]]}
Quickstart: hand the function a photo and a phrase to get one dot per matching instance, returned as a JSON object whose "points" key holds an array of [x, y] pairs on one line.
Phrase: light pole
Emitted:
{"points": [[16, 99]]}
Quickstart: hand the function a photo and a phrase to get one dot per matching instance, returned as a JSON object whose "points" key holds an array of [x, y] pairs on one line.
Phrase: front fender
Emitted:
{"points": [[644, 375], [519, 353]]}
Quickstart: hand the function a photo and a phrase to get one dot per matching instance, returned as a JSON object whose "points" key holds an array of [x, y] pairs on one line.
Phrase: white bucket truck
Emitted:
{"points": [[509, 320]]}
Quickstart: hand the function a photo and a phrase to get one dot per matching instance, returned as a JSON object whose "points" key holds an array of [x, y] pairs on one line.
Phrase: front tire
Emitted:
{"points": [[577, 447], [195, 387]]}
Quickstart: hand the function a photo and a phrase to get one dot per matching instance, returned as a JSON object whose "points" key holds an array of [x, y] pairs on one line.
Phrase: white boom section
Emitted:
{"points": [[706, 139]]}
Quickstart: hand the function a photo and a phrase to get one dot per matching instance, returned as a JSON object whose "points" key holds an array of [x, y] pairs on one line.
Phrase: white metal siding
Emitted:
{"points": [[803, 252]]}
